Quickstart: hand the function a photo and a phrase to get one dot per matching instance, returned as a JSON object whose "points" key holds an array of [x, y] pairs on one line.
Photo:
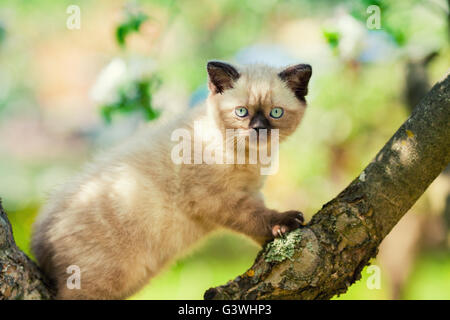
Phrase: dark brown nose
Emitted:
{"points": [[259, 121]]}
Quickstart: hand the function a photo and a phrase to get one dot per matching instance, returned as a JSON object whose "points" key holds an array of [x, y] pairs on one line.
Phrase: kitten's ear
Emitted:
{"points": [[297, 78], [221, 76]]}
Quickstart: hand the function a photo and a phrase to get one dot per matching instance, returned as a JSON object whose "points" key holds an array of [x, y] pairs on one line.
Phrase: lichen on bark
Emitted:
{"points": [[282, 248]]}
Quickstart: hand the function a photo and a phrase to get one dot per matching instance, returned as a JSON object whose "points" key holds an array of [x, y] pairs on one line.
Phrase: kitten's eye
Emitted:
{"points": [[276, 112], [241, 112]]}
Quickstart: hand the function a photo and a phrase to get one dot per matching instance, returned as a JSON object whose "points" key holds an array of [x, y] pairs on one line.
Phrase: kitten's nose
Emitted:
{"points": [[259, 121]]}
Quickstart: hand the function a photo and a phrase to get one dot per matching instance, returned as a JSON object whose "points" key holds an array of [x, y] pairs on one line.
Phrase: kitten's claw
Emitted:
{"points": [[277, 231], [285, 222]]}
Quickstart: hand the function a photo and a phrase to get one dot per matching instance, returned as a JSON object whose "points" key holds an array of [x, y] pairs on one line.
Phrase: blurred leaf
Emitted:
{"points": [[2, 32], [397, 29], [135, 97], [359, 9], [106, 113], [332, 38], [397, 34], [131, 24]]}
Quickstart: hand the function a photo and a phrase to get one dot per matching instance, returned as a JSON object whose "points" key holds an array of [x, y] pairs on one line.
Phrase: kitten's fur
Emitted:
{"points": [[133, 210]]}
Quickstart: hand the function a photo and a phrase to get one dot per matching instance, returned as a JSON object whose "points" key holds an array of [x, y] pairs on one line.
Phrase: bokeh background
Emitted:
{"points": [[67, 92]]}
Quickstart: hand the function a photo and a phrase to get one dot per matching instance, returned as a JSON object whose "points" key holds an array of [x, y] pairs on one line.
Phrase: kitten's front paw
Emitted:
{"points": [[287, 221]]}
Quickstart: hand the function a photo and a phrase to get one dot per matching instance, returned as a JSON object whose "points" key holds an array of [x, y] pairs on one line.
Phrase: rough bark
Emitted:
{"points": [[325, 257], [20, 278]]}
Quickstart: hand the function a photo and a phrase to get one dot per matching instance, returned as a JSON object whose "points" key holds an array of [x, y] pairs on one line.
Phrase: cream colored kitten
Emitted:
{"points": [[134, 209]]}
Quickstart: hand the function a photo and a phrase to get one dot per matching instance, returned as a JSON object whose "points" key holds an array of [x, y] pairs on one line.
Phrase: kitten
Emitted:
{"points": [[134, 209]]}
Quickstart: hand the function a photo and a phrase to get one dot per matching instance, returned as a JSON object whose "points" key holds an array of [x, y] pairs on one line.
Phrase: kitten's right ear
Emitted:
{"points": [[221, 76], [297, 79]]}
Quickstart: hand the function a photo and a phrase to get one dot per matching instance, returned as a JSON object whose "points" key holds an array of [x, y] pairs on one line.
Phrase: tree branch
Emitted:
{"points": [[325, 257], [20, 278]]}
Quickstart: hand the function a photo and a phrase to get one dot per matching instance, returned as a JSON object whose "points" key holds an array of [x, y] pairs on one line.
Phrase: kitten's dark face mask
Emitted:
{"points": [[258, 97]]}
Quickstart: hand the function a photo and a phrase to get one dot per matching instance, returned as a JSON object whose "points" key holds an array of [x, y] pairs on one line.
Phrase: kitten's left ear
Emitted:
{"points": [[297, 79], [221, 76]]}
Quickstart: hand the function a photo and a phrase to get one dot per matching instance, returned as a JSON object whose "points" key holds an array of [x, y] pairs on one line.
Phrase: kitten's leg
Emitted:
{"points": [[250, 216]]}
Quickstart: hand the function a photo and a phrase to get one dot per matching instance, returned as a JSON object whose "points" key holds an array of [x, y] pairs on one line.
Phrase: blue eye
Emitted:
{"points": [[241, 112], [276, 112]]}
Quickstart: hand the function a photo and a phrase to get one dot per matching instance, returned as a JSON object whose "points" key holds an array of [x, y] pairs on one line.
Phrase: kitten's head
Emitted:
{"points": [[257, 97]]}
